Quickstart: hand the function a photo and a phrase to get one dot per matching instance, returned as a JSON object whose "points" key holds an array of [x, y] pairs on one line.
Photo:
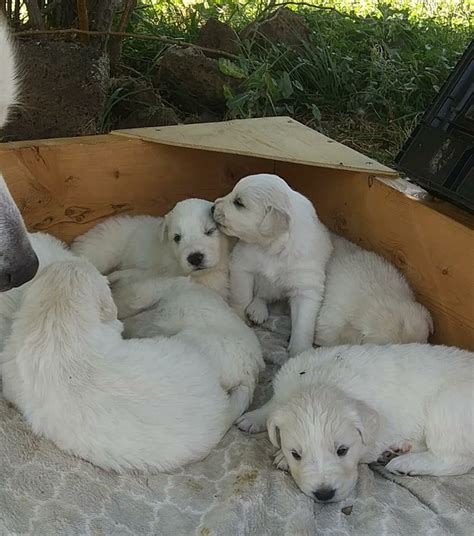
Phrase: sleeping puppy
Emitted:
{"points": [[149, 404], [334, 408], [368, 301], [282, 253], [177, 307], [185, 242]]}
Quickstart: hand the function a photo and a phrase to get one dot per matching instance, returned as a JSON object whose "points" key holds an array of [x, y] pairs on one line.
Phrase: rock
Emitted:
{"points": [[63, 90], [204, 117], [282, 27], [218, 35], [193, 81], [138, 105], [151, 117]]}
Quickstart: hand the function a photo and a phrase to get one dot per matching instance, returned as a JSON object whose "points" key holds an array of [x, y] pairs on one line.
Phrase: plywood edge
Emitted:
{"points": [[423, 198], [276, 138], [432, 247], [59, 142]]}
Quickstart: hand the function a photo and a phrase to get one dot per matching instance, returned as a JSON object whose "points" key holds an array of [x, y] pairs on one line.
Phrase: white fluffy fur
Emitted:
{"points": [[18, 263], [180, 308], [121, 404], [146, 242], [283, 252], [8, 78], [48, 249], [367, 300], [415, 400]]}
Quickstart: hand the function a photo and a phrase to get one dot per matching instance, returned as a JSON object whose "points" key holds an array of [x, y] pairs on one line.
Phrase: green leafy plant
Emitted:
{"points": [[366, 74]]}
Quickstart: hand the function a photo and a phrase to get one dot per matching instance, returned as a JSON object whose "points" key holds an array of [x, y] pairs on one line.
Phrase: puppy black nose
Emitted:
{"points": [[324, 494], [195, 259], [15, 276], [213, 208]]}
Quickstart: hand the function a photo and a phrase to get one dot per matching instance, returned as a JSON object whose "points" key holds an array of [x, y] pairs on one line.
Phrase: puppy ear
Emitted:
{"points": [[275, 222], [274, 423], [164, 229], [366, 421]]}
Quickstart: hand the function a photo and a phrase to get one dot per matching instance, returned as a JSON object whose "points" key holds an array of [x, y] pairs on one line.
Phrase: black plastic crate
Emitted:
{"points": [[439, 154]]}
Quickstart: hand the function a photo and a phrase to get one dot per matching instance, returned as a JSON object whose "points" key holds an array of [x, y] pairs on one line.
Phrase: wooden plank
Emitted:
{"points": [[276, 138], [64, 187], [433, 250]]}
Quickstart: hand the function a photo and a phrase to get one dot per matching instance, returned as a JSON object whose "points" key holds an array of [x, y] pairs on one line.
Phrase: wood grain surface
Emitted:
{"points": [[66, 186]]}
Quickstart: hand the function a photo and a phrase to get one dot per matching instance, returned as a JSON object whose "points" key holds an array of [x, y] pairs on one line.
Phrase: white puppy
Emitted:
{"points": [[185, 242], [367, 300], [335, 408], [121, 404], [48, 249], [180, 308], [282, 253]]}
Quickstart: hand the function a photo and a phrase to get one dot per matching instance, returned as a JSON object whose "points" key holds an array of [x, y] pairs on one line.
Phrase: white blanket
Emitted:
{"points": [[234, 491]]}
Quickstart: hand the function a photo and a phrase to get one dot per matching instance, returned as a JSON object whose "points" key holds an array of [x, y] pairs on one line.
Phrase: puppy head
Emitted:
{"points": [[196, 241], [400, 322], [323, 435], [257, 211], [75, 284]]}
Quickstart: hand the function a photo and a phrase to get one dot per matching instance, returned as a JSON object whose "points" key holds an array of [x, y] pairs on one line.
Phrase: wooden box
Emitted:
{"points": [[65, 186]]}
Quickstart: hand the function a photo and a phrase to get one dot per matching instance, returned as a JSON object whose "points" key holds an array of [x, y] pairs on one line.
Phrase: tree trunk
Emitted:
{"points": [[34, 15], [101, 17]]}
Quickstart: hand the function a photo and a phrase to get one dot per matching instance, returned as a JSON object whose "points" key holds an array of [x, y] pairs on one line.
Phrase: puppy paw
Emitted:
{"points": [[251, 422], [408, 465], [295, 349], [393, 452], [257, 311], [280, 461]]}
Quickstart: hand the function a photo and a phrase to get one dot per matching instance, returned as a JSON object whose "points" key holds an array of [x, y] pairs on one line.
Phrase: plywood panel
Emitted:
{"points": [[435, 251], [65, 186], [276, 138]]}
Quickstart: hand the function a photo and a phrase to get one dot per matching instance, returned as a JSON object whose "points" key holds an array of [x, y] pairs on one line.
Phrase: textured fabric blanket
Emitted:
{"points": [[234, 491]]}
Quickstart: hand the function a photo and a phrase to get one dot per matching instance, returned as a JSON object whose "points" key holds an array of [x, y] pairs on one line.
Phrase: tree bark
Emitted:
{"points": [[102, 16], [34, 15]]}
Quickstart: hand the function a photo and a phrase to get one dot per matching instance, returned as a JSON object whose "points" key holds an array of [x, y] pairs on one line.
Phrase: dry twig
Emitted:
{"points": [[144, 37], [116, 43], [83, 17]]}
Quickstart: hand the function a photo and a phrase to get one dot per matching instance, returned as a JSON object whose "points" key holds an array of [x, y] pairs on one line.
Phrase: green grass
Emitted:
{"points": [[367, 73]]}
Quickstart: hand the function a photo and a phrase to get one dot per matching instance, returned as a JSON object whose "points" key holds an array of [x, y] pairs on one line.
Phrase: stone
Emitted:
{"points": [[138, 105], [284, 26], [218, 35], [193, 81]]}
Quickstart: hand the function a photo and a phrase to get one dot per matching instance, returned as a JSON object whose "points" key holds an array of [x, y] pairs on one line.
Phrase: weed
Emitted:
{"points": [[367, 72]]}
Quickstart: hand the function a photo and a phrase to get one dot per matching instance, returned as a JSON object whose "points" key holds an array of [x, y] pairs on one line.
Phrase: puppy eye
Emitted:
{"points": [[296, 455], [238, 203], [177, 238], [342, 451], [210, 231]]}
